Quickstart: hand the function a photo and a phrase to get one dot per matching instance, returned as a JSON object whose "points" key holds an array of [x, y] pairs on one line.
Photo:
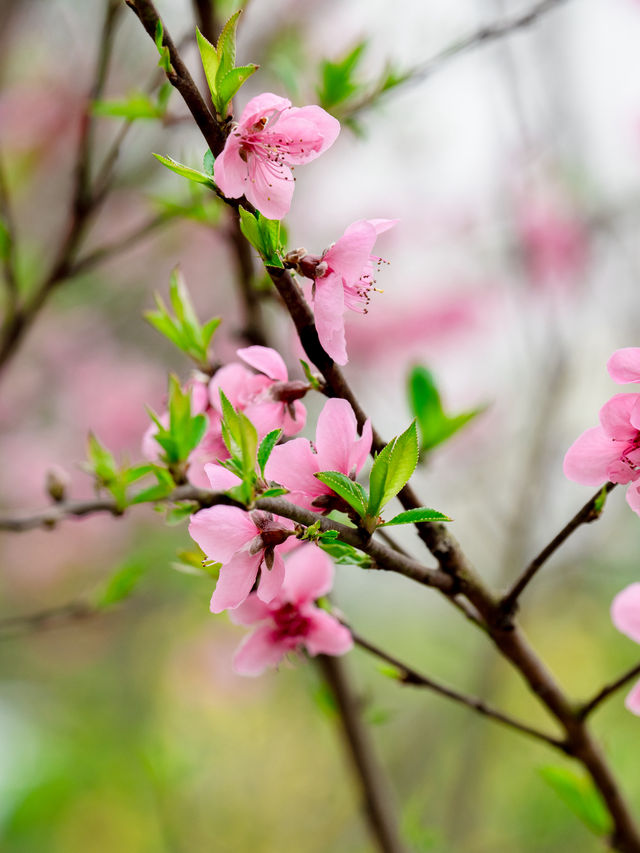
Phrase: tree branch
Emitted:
{"points": [[608, 690], [588, 513]]}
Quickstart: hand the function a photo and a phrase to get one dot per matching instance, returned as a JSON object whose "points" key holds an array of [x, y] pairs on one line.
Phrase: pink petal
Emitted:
{"points": [[625, 611], [221, 531], [230, 170], [308, 575], [293, 465], [632, 702], [382, 225], [261, 106], [349, 255], [233, 379], [199, 396], [336, 434], [361, 449], [588, 459], [270, 187], [624, 365], [271, 580], [329, 309], [615, 416], [265, 415], [326, 635], [251, 610], [235, 581], [291, 426], [303, 133], [258, 651], [221, 479], [633, 497], [266, 360]]}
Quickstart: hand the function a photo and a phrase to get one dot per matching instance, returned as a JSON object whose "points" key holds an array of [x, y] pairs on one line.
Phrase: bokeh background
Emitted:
{"points": [[515, 174]]}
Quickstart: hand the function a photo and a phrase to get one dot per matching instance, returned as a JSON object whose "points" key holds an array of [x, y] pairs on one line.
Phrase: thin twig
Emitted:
{"points": [[477, 38], [608, 690], [409, 675], [8, 253], [377, 799], [589, 512], [44, 620]]}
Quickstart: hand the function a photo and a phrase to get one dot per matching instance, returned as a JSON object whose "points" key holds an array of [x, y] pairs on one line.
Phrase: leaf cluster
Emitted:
{"points": [[219, 64]]}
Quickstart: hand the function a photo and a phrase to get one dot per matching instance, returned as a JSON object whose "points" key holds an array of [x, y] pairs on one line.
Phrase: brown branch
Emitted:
{"points": [[608, 690], [408, 675], [587, 514], [44, 620], [478, 38], [377, 799]]}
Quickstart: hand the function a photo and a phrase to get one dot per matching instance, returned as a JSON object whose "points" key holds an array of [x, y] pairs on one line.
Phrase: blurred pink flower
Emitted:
{"points": [[291, 620], [270, 137], [337, 448], [610, 451], [625, 613], [245, 543], [267, 398], [624, 365]]}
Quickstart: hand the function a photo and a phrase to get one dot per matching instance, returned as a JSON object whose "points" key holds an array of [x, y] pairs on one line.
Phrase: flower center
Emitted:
{"points": [[290, 622]]}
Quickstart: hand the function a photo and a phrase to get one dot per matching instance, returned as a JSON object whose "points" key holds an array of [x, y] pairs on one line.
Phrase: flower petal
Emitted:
{"points": [[266, 360], [303, 133], [590, 456], [230, 170], [625, 611], [350, 254], [624, 365], [336, 434], [290, 425], [236, 579], [308, 575], [632, 702], [326, 635], [251, 610], [220, 479], [329, 310], [293, 465], [270, 187], [265, 415], [221, 531], [233, 380], [263, 105], [615, 416], [258, 651], [271, 580], [633, 496]]}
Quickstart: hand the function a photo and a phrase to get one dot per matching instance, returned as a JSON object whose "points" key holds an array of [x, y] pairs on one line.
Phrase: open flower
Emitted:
{"points": [[625, 613], [342, 279], [610, 451], [267, 398], [270, 137], [291, 620], [245, 543], [337, 448]]}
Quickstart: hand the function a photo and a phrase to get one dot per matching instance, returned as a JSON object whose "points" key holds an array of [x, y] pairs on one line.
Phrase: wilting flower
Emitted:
{"points": [[610, 451], [291, 620], [337, 448], [245, 543], [625, 613], [267, 398], [270, 138], [342, 278]]}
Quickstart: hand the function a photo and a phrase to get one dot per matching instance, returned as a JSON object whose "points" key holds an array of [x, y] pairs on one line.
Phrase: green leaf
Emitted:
{"points": [[273, 493], [208, 162], [578, 792], [392, 469], [351, 492], [414, 516], [231, 82], [163, 50], [263, 234], [186, 172], [337, 78], [101, 462], [210, 61], [311, 378], [5, 241], [120, 585], [137, 105], [425, 402], [598, 504], [180, 511], [226, 47], [266, 446], [343, 554]]}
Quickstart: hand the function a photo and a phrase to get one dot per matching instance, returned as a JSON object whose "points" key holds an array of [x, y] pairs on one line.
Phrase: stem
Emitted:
{"points": [[377, 799], [608, 690]]}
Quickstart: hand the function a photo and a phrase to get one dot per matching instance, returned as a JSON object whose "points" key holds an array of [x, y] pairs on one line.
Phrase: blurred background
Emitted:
{"points": [[514, 170]]}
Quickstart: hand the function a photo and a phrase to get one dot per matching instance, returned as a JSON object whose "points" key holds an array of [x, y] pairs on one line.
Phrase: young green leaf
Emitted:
{"points": [[341, 553], [414, 516], [208, 162], [120, 585], [163, 50], [186, 172], [229, 85], [266, 446], [425, 402], [392, 469], [337, 78], [263, 234], [580, 795], [210, 61], [347, 489]]}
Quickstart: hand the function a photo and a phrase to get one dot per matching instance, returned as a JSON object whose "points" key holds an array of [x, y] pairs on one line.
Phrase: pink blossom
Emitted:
{"points": [[337, 448], [610, 451], [291, 620], [245, 543], [342, 278], [270, 138], [624, 365], [625, 613], [268, 398]]}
